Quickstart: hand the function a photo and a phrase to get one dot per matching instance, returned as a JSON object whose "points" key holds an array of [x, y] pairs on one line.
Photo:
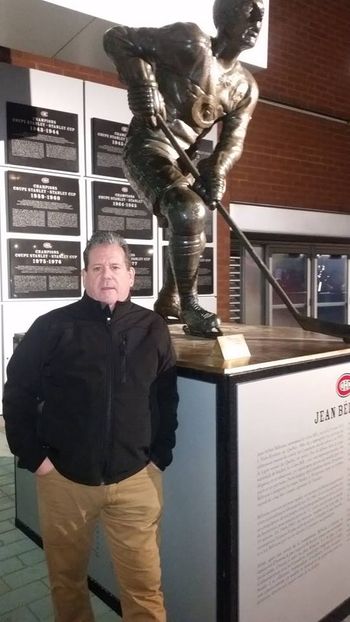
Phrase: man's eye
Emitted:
{"points": [[96, 269]]}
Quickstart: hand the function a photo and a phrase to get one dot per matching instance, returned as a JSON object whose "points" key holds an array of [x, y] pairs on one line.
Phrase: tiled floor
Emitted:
{"points": [[24, 592]]}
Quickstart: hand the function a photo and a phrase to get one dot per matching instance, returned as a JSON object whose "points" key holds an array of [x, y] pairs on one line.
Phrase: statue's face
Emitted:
{"points": [[239, 21]]}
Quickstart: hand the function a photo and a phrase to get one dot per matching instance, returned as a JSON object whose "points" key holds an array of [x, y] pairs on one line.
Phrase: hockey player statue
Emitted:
{"points": [[192, 81]]}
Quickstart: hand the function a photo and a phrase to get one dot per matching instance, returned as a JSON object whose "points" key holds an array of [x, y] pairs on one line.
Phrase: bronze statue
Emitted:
{"points": [[192, 81]]}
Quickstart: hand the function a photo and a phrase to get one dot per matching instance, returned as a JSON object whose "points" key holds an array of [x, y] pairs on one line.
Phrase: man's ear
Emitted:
{"points": [[83, 274], [132, 276]]}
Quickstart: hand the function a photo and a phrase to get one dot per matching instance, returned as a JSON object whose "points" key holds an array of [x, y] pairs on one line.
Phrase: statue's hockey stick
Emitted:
{"points": [[307, 323]]}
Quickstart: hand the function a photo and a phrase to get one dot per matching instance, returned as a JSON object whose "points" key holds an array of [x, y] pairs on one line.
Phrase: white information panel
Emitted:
{"points": [[294, 495]]}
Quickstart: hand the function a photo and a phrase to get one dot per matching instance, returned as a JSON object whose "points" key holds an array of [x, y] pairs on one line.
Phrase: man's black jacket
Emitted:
{"points": [[96, 395]]}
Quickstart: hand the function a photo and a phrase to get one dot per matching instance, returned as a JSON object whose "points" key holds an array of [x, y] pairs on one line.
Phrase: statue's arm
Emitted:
{"points": [[229, 147], [133, 51], [213, 170]]}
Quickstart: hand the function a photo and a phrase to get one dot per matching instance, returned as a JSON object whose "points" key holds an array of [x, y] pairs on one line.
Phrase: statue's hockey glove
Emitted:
{"points": [[145, 101], [211, 184]]}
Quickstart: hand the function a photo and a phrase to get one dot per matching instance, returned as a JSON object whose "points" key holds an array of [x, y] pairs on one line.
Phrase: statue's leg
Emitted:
{"points": [[151, 166], [168, 301], [185, 212]]}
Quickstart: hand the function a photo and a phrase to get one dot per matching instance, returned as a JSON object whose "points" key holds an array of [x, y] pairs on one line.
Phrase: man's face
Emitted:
{"points": [[107, 278], [240, 21]]}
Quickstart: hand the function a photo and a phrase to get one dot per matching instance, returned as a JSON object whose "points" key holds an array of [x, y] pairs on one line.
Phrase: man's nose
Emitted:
{"points": [[106, 272]]}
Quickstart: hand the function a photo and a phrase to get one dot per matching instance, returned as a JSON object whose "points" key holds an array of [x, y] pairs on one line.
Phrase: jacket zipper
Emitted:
{"points": [[109, 380], [109, 376], [122, 351]]}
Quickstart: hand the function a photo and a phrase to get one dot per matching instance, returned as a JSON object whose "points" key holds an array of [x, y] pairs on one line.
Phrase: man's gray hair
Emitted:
{"points": [[100, 238]]}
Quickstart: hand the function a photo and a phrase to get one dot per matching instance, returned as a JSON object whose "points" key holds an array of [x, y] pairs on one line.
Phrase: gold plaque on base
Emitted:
{"points": [[231, 347]]}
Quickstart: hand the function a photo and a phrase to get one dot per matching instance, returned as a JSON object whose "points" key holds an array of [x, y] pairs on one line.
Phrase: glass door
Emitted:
{"points": [[331, 284], [315, 276], [291, 270]]}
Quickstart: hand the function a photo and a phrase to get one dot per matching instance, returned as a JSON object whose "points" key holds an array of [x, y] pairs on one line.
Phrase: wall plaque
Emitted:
{"points": [[44, 269], [108, 138], [42, 203], [117, 208], [142, 261], [39, 137]]}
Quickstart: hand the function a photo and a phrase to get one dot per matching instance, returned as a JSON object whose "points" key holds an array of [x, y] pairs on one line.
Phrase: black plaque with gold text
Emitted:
{"points": [[117, 208], [42, 203], [44, 269], [142, 261], [108, 138], [39, 137]]}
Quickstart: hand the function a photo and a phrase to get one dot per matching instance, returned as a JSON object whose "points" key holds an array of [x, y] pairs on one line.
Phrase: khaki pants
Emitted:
{"points": [[130, 512]]}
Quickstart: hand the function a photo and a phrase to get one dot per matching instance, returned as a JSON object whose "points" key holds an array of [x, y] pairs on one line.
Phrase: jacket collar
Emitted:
{"points": [[94, 308]]}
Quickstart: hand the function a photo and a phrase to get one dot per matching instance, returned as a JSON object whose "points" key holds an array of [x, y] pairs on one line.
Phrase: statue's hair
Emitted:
{"points": [[100, 238], [223, 10]]}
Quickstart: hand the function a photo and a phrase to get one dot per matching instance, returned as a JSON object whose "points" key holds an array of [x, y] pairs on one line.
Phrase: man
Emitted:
{"points": [[90, 407], [193, 81]]}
